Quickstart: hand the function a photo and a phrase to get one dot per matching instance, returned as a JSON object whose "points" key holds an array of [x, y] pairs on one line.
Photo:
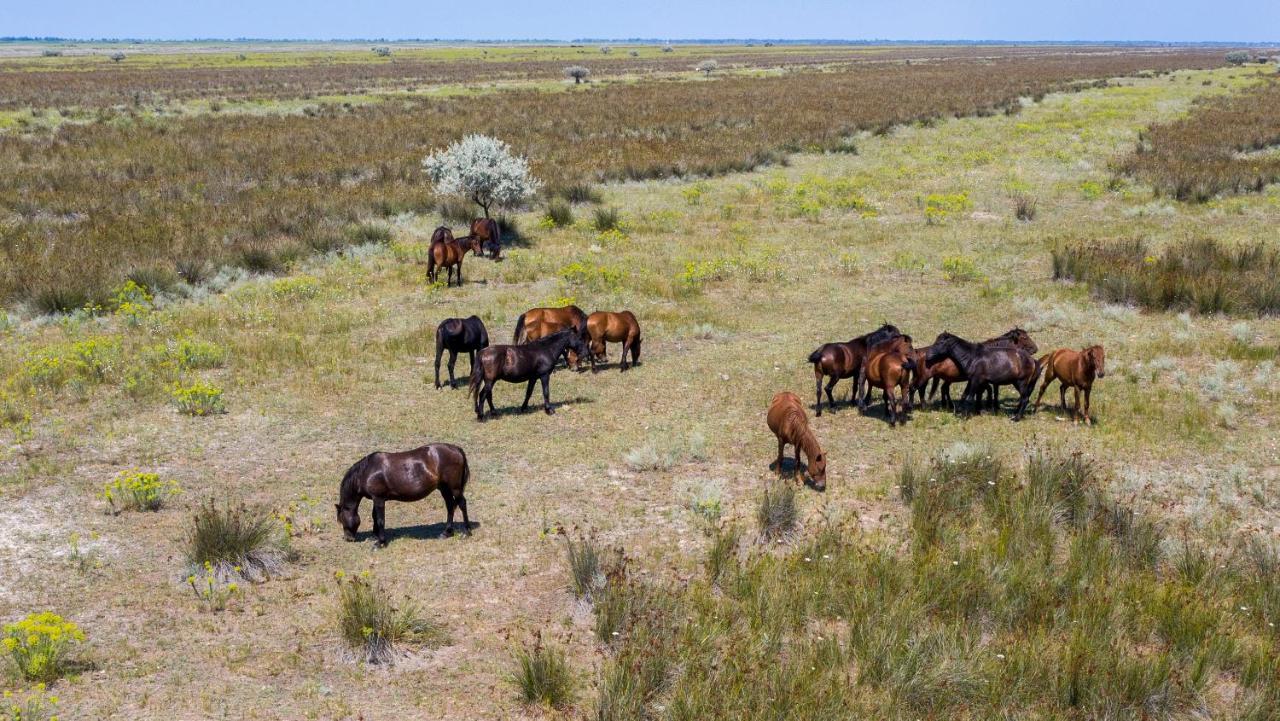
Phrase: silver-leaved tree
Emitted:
{"points": [[482, 169]]}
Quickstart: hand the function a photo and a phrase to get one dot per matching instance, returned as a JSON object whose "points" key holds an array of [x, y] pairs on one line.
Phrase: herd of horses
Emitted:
{"points": [[885, 359]]}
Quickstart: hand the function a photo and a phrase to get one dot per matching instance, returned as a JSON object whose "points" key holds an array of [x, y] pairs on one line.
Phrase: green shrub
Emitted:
{"points": [[236, 540], [1024, 207], [586, 567], [723, 551], [542, 675], [580, 193], [211, 591], [198, 399], [604, 219], [559, 214], [938, 207], [296, 287], [40, 644], [194, 354], [960, 269], [139, 491], [362, 233], [372, 625]]}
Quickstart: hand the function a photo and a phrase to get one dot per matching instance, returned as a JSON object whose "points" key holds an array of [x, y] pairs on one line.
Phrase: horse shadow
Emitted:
{"points": [[425, 531], [535, 406]]}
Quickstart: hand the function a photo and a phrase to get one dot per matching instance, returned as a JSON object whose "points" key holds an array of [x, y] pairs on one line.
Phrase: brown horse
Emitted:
{"points": [[838, 361], [946, 372], [988, 365], [540, 322], [788, 422], [605, 327], [1077, 370], [530, 363], [447, 253], [486, 231], [406, 476], [888, 366]]}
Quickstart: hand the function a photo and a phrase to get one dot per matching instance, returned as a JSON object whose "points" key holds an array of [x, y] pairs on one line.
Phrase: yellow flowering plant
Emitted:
{"points": [[139, 491], [29, 705], [39, 644]]}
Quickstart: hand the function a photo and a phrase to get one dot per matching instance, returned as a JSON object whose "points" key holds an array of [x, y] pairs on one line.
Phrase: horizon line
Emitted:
{"points": [[644, 40]]}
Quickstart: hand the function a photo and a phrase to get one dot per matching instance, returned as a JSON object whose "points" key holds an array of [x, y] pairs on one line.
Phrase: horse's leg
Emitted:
{"points": [[488, 394], [1075, 410], [546, 393], [528, 393], [799, 469], [439, 353], [782, 447], [946, 396], [635, 352], [453, 358], [890, 405], [817, 392], [449, 504], [626, 348], [1087, 418], [933, 387], [1043, 387], [380, 521]]}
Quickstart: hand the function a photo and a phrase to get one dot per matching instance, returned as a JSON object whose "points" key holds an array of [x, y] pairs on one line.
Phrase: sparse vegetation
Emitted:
{"points": [[373, 626], [236, 540], [776, 514], [542, 675]]}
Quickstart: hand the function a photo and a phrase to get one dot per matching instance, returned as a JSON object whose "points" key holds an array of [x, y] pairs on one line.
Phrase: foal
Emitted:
{"points": [[788, 422], [448, 253], [1077, 370]]}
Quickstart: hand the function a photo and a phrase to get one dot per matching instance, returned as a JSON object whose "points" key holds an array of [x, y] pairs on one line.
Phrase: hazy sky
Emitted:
{"points": [[1173, 20]]}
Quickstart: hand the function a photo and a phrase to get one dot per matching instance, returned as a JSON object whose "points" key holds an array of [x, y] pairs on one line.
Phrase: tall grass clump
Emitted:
{"points": [[1025, 207], [372, 625], [236, 540], [1202, 276], [606, 219], [559, 214], [542, 675], [587, 566], [776, 513]]}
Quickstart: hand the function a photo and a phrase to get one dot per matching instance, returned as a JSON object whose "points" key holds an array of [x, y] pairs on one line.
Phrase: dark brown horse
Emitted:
{"points": [[447, 253], [1077, 370], [406, 476], [788, 422], [605, 327], [838, 361], [486, 231], [888, 366], [946, 372], [985, 366], [459, 335], [531, 362]]}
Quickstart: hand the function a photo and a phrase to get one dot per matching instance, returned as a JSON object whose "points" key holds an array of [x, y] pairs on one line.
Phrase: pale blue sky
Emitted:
{"points": [[1168, 20]]}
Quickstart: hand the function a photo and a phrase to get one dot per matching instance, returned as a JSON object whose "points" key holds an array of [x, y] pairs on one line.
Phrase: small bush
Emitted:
{"points": [[706, 67], [586, 567], [542, 675], [960, 269], [139, 491], [372, 625], [938, 207], [211, 591], [40, 644], [28, 705], [198, 399], [362, 233], [777, 515], [190, 353], [559, 214], [605, 219], [1024, 207], [580, 193], [1237, 57], [723, 551], [577, 73], [236, 540]]}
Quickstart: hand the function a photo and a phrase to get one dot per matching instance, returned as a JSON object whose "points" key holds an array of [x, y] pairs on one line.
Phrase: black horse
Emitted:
{"points": [[945, 373], [407, 476], [459, 335], [530, 362], [988, 366]]}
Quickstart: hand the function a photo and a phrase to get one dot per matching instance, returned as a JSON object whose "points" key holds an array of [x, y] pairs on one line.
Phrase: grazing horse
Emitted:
{"points": [[947, 372], [1077, 370], [788, 422], [605, 327], [987, 365], [487, 232], [406, 476], [844, 360], [531, 362], [540, 322], [888, 365], [447, 253], [459, 335]]}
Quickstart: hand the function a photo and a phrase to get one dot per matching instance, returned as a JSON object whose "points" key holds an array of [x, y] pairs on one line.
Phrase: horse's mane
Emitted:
{"points": [[547, 339], [880, 335], [347, 487]]}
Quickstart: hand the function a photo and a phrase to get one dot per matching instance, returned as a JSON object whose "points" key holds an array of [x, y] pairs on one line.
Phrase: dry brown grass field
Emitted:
{"points": [[735, 279]]}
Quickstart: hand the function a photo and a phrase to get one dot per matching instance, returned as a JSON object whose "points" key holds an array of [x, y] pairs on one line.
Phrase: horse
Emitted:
{"points": [[844, 360], [947, 372], [459, 335], [405, 476], [987, 365], [788, 422], [605, 327], [541, 322], [531, 362], [1077, 370], [486, 230], [889, 365], [447, 253]]}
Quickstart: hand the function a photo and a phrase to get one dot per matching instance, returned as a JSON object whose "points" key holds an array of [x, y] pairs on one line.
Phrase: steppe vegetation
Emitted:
{"points": [[635, 556]]}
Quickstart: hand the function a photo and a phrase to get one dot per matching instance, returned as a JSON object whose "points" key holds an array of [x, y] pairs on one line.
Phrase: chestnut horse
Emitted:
{"points": [[888, 365], [541, 322], [406, 476], [788, 422], [459, 335], [1077, 370], [487, 232], [844, 360], [605, 327], [446, 252], [531, 362], [988, 365]]}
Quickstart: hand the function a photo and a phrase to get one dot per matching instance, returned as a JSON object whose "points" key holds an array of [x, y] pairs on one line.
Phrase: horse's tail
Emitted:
{"points": [[477, 376], [466, 470], [515, 338], [439, 339], [816, 356]]}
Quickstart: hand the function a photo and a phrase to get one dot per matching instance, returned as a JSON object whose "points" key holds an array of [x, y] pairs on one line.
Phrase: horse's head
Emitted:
{"points": [[939, 349], [818, 471], [349, 518], [1098, 357], [1023, 340]]}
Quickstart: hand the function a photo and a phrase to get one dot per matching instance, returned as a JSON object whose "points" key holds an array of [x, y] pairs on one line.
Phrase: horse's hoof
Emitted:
{"points": [[378, 545], [551, 411]]}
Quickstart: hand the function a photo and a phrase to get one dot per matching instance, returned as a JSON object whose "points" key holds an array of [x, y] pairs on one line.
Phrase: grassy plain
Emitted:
{"points": [[735, 279]]}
